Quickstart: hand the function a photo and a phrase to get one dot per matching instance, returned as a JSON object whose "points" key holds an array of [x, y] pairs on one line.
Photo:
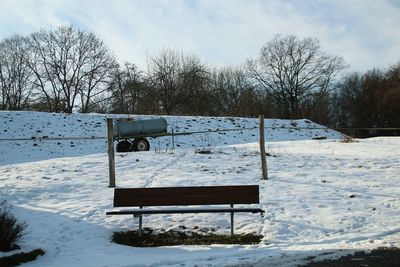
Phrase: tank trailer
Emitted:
{"points": [[131, 135]]}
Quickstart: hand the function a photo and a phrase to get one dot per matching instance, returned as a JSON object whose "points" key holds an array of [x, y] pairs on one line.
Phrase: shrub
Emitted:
{"points": [[206, 145], [346, 139], [17, 259], [11, 230]]}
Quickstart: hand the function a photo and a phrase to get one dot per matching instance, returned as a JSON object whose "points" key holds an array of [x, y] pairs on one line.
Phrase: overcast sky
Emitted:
{"points": [[365, 32]]}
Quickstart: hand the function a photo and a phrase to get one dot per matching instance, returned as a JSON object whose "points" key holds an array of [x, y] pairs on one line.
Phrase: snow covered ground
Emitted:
{"points": [[322, 195]]}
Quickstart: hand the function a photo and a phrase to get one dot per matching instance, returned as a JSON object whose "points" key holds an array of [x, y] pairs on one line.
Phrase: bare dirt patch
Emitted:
{"points": [[381, 257], [173, 238]]}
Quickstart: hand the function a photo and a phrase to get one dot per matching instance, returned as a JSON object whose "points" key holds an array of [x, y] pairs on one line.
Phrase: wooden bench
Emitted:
{"points": [[185, 196]]}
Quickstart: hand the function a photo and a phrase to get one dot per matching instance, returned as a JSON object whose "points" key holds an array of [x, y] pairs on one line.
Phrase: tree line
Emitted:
{"points": [[70, 70]]}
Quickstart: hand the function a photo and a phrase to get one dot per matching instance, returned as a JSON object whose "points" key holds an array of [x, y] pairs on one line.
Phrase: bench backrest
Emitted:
{"points": [[171, 196]]}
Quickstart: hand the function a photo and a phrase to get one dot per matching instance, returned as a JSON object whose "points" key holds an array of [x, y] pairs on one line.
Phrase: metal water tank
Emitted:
{"points": [[127, 128]]}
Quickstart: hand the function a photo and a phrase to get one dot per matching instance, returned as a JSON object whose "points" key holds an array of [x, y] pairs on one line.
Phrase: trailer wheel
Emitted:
{"points": [[124, 146], [140, 144]]}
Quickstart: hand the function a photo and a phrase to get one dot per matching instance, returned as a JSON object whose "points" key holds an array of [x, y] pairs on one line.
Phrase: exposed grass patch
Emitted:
{"points": [[173, 238], [203, 151], [17, 259], [319, 138]]}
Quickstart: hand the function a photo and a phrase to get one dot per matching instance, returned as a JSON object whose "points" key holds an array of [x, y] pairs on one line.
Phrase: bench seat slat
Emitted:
{"points": [[126, 201], [190, 190], [172, 196], [181, 211]]}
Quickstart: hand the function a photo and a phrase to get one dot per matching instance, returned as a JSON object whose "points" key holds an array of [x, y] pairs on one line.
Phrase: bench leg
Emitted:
{"points": [[232, 224], [140, 225], [140, 232]]}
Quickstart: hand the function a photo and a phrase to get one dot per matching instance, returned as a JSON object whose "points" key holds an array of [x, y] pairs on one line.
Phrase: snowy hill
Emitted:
{"points": [[39, 127], [322, 195]]}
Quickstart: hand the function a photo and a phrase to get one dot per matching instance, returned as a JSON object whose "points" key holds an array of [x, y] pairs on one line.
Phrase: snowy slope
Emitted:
{"points": [[40, 125], [321, 196]]}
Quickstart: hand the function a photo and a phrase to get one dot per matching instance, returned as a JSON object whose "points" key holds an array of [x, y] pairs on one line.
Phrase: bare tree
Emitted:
{"points": [[127, 89], [177, 79], [51, 64], [194, 80], [69, 63], [369, 100], [164, 70], [15, 76], [96, 71], [389, 100], [294, 70], [233, 91]]}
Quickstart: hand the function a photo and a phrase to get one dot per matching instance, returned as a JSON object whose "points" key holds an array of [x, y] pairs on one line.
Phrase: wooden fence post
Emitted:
{"points": [[111, 156], [262, 150]]}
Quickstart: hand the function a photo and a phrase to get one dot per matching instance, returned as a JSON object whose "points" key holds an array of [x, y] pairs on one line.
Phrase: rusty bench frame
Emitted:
{"points": [[185, 196]]}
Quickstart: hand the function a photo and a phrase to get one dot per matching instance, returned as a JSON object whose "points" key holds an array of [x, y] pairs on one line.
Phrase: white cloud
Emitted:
{"points": [[220, 32]]}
